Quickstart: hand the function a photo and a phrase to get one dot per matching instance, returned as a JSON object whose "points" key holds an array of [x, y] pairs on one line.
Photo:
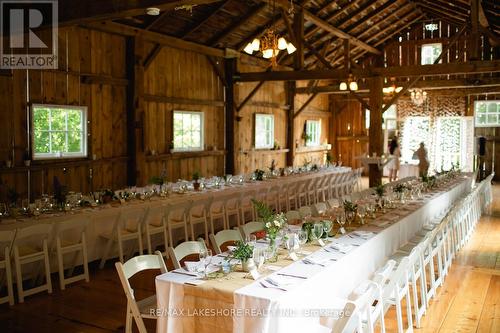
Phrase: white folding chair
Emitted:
{"points": [[395, 290], [250, 227], [176, 218], [305, 211], [364, 296], [272, 198], [144, 308], [30, 246], [217, 211], [292, 194], [71, 238], [127, 227], [198, 214], [6, 240], [293, 215], [223, 237], [246, 206], [232, 209], [416, 278], [155, 224], [183, 250], [302, 194], [312, 196]]}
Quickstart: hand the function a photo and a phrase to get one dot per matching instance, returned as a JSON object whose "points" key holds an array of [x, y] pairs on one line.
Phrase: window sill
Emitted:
{"points": [[314, 149], [264, 151], [176, 155]]}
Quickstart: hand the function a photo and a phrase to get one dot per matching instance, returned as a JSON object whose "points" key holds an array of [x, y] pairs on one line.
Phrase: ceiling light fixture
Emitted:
{"points": [[153, 11]]}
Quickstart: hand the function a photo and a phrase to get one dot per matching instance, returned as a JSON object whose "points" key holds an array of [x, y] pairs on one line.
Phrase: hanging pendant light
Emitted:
{"points": [[282, 43], [343, 86], [353, 86]]}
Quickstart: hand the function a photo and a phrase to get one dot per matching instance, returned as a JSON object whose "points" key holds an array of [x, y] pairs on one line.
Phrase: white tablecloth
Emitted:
{"points": [[101, 219], [324, 286]]}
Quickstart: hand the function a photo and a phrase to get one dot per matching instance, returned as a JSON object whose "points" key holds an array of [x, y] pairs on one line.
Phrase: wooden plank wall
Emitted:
{"points": [[182, 80], [83, 53], [270, 99]]}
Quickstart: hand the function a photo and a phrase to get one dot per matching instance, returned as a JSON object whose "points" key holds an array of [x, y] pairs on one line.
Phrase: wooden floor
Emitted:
{"points": [[469, 301]]}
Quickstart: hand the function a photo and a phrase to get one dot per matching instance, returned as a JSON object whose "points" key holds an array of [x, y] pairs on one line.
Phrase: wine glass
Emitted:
{"points": [[362, 213], [302, 237], [327, 227], [291, 242], [205, 259], [318, 230], [259, 256]]}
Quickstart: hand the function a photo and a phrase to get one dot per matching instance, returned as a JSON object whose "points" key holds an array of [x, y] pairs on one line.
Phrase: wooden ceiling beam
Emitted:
{"points": [[331, 18], [340, 24], [78, 12], [339, 33], [443, 7], [154, 37], [276, 20], [237, 24], [423, 84], [198, 25], [375, 13], [407, 13], [471, 67]]}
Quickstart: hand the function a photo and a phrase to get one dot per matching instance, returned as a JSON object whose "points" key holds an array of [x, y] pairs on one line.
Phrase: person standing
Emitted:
{"points": [[423, 165], [395, 153]]}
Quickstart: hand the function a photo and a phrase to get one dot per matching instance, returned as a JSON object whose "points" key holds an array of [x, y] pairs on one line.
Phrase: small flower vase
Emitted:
{"points": [[350, 216], [248, 265], [401, 197], [273, 249]]}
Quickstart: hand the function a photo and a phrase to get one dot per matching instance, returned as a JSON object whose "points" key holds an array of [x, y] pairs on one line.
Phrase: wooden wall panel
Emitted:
{"points": [[82, 52]]}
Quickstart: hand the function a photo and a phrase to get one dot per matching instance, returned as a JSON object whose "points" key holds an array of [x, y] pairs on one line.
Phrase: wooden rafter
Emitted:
{"points": [[339, 33], [470, 67], [304, 106], [238, 23], [198, 25], [276, 20], [151, 56], [331, 18], [78, 12]]}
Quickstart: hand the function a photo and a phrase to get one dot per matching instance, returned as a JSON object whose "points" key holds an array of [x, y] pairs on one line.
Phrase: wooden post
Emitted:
{"points": [[475, 37], [230, 69], [376, 133], [135, 109], [290, 87]]}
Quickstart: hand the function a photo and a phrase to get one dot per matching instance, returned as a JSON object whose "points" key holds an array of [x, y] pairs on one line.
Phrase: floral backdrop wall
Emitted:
{"points": [[440, 123]]}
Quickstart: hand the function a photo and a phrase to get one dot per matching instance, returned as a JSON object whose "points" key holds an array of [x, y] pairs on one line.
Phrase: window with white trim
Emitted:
{"points": [[487, 113], [188, 130], [59, 131], [313, 132], [264, 131], [430, 52]]}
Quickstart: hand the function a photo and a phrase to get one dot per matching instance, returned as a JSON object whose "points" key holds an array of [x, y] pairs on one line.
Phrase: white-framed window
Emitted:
{"points": [[430, 52], [188, 130], [264, 131], [59, 131], [313, 132], [487, 113]]}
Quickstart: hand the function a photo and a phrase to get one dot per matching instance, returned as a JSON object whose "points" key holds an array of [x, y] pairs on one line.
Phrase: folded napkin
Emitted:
{"points": [[280, 281], [363, 234], [316, 261], [344, 248], [192, 266]]}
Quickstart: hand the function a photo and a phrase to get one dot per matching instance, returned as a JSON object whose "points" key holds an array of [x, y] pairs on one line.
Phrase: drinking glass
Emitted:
{"points": [[25, 205], [318, 230], [291, 242], [327, 227], [362, 213], [259, 256], [205, 259], [302, 237]]}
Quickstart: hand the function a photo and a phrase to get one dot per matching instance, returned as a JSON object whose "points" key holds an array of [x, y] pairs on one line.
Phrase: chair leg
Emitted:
{"points": [[47, 267], [10, 289], [148, 240], [128, 320], [60, 262], [399, 315], [107, 249], [85, 259], [408, 310], [19, 276]]}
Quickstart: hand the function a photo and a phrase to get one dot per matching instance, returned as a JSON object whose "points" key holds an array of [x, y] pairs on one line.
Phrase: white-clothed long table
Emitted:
{"points": [[252, 307], [101, 219]]}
